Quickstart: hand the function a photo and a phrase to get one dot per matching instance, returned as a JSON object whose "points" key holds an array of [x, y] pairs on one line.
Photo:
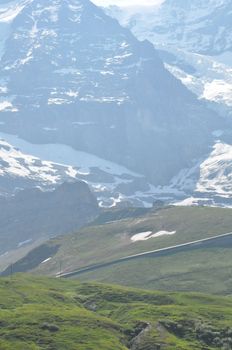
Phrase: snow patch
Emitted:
{"points": [[4, 254], [11, 10], [72, 172], [58, 101], [21, 244], [84, 123], [72, 93], [216, 171], [218, 90], [46, 128], [211, 79], [18, 164], [3, 89], [144, 236], [7, 106], [190, 202], [46, 260]]}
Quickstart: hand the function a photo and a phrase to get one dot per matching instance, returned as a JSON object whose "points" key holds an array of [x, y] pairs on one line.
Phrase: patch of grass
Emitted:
{"points": [[111, 240], [204, 270], [42, 313]]}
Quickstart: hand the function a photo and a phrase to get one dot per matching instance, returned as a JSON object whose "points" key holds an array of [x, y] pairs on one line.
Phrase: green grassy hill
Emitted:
{"points": [[204, 270], [109, 238], [55, 314]]}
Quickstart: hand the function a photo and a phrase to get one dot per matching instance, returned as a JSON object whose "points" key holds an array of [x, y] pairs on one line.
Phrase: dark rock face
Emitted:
{"points": [[76, 77], [33, 214]]}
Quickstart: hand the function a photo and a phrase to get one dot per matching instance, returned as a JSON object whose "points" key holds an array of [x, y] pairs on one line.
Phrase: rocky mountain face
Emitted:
{"points": [[193, 39], [202, 27], [71, 75], [195, 42], [33, 215]]}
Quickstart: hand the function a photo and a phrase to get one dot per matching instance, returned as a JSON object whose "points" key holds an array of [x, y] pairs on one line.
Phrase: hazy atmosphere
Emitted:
{"points": [[115, 175], [125, 3]]}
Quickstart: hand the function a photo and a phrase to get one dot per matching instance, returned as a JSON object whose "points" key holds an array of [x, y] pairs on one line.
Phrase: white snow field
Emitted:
{"points": [[144, 236]]}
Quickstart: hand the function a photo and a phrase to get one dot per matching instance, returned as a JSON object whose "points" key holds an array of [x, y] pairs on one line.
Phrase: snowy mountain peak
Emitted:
{"points": [[70, 75], [68, 40], [11, 9], [194, 40], [198, 26], [187, 4]]}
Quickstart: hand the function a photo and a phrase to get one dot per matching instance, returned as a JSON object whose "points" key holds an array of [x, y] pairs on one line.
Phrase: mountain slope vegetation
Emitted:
{"points": [[41, 313], [113, 235]]}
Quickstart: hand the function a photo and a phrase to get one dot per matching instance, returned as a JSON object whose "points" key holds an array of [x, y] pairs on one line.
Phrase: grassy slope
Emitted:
{"points": [[41, 313], [207, 270], [105, 242]]}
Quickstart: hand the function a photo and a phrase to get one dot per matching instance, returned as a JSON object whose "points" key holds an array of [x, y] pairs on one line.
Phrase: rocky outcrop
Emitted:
{"points": [[33, 214]]}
